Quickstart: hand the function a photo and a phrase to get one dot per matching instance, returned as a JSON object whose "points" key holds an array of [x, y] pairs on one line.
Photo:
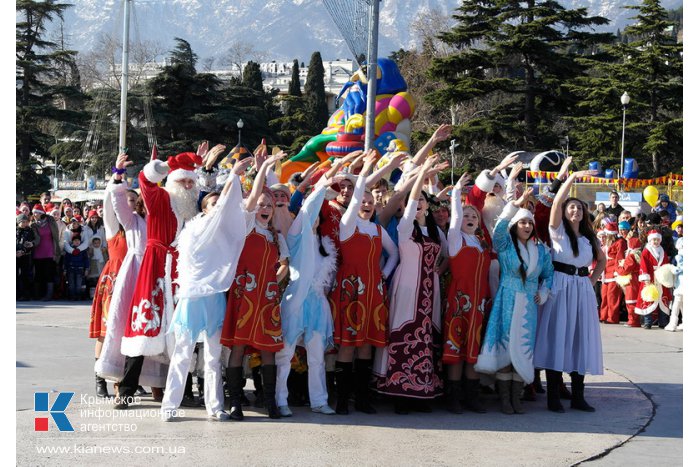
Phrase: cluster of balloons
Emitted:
{"points": [[345, 131]]}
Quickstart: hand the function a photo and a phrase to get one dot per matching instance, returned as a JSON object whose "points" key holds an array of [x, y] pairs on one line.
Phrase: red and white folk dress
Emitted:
{"points": [[116, 248], [359, 298], [253, 308], [468, 296]]}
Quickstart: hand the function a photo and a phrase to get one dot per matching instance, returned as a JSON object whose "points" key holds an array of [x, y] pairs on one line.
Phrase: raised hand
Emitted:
{"points": [[508, 160], [310, 170], [443, 132], [515, 171], [370, 158], [462, 181], [443, 195], [122, 161], [523, 198], [212, 155], [202, 149], [397, 160], [564, 168], [260, 156], [241, 166]]}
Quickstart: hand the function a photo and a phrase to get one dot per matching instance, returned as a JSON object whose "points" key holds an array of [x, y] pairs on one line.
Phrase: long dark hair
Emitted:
{"points": [[585, 228], [429, 223], [140, 207], [513, 231]]}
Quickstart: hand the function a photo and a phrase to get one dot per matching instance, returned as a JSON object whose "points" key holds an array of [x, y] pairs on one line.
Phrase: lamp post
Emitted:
{"points": [[564, 141], [240, 127], [624, 99]]}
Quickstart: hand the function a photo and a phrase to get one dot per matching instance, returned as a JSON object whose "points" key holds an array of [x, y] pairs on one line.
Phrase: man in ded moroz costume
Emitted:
{"points": [[152, 304]]}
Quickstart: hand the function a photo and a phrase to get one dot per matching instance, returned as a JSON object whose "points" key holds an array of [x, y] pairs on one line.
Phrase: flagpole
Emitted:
{"points": [[125, 78]]}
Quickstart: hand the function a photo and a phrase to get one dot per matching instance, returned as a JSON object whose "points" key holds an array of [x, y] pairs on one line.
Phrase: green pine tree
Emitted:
{"points": [[649, 68], [40, 96], [315, 95], [252, 76], [512, 61]]}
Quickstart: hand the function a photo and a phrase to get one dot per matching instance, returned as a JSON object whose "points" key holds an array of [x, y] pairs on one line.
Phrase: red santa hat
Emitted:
{"points": [[611, 229], [182, 166], [51, 208], [91, 213], [38, 209], [652, 234]]}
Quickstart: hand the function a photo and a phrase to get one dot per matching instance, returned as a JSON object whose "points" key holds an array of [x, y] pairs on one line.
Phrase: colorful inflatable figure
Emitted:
{"points": [[345, 132]]}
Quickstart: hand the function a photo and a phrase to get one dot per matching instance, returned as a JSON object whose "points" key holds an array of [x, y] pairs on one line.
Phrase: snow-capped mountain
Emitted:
{"points": [[283, 29]]}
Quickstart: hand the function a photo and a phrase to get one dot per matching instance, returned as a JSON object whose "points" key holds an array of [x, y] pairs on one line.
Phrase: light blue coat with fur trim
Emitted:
{"points": [[510, 332]]}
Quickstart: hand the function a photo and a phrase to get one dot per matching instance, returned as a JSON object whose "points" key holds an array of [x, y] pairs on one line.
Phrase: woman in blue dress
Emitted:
{"points": [[526, 277]]}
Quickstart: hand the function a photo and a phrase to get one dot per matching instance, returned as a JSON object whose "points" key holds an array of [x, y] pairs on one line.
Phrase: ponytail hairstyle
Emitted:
{"points": [[585, 228], [513, 231], [429, 223]]}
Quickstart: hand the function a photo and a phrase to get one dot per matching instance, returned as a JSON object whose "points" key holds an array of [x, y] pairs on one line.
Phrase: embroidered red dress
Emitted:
{"points": [[467, 299], [253, 309], [116, 248], [358, 299]]}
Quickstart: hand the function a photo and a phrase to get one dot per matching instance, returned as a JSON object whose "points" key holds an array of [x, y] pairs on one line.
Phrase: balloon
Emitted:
{"points": [[651, 195]]}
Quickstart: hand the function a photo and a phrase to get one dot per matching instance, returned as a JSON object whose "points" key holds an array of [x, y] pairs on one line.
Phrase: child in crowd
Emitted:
{"points": [[76, 265]]}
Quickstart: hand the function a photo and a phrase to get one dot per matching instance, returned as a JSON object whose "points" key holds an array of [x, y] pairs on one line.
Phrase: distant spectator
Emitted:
{"points": [[95, 226], [47, 252], [26, 241], [665, 204], [44, 199], [76, 265], [614, 207], [97, 253]]}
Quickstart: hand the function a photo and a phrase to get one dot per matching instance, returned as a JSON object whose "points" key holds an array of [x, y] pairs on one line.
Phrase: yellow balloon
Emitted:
{"points": [[651, 195]]}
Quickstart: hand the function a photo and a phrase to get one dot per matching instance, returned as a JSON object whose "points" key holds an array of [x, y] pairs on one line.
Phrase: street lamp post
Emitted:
{"points": [[624, 99], [240, 127]]}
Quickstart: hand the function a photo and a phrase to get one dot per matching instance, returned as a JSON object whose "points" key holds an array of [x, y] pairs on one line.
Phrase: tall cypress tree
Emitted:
{"points": [[294, 84], [315, 94]]}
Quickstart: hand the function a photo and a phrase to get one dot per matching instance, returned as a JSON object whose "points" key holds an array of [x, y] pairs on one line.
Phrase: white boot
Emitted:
{"points": [[673, 321]]}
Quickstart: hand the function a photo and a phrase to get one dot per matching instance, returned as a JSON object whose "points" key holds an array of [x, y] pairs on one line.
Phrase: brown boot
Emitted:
{"points": [[503, 385]]}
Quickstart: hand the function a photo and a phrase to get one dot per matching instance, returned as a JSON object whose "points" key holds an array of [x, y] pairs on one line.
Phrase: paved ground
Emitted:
{"points": [[639, 420]]}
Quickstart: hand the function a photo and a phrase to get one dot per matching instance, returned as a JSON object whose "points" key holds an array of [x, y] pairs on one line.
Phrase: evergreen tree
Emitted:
{"points": [[315, 95], [37, 92], [252, 76], [513, 58], [186, 103], [294, 84], [649, 68]]}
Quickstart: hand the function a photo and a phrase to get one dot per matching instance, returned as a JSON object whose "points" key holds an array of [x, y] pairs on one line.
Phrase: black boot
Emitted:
{"points": [[553, 401], [362, 376], [269, 377], [538, 381], [563, 391], [577, 400], [234, 381], [471, 396], [330, 385], [257, 382], [453, 393], [101, 386], [343, 381]]}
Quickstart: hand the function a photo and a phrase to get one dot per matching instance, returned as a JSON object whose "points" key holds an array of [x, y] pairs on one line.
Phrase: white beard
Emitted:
{"points": [[183, 202]]}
